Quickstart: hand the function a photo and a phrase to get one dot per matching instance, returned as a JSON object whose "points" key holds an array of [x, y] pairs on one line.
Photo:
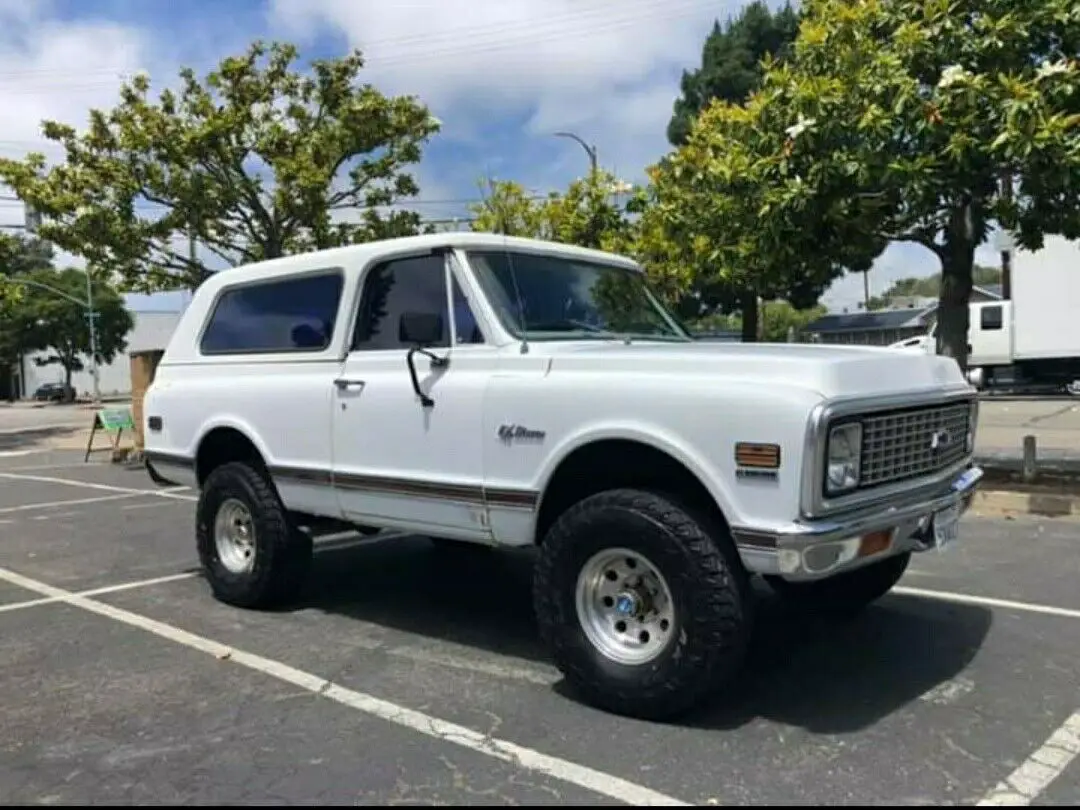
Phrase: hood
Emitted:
{"points": [[831, 371]]}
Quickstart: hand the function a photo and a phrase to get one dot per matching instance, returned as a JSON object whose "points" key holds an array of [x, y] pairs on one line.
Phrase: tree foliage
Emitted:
{"points": [[50, 318], [732, 62], [916, 121], [778, 321], [721, 199], [254, 161], [19, 256], [930, 286], [587, 214]]}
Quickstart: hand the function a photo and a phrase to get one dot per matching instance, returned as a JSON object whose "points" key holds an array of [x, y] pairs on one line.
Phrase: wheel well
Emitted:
{"points": [[616, 463], [220, 446]]}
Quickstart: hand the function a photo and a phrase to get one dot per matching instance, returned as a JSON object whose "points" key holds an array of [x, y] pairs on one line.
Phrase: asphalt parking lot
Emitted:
{"points": [[412, 675]]}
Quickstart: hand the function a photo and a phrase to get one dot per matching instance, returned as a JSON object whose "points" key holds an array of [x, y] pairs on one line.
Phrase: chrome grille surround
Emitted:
{"points": [[892, 426]]}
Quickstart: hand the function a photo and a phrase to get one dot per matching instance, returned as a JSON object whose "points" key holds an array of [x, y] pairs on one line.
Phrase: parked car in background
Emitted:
{"points": [[54, 392]]}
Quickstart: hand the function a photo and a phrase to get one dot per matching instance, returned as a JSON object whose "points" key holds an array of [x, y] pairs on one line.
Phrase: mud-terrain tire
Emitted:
{"points": [[844, 595], [275, 570], [704, 644]]}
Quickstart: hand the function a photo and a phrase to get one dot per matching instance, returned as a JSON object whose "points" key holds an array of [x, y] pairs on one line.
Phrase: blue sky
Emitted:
{"points": [[502, 76]]}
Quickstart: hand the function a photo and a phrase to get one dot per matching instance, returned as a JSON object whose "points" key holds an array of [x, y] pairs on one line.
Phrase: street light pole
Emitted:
{"points": [[589, 150]]}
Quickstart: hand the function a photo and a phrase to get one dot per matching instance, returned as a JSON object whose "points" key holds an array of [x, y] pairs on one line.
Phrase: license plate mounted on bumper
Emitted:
{"points": [[946, 526]]}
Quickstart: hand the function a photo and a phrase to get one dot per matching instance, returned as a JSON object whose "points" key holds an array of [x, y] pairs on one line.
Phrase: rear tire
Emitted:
{"points": [[845, 594], [671, 579], [252, 554]]}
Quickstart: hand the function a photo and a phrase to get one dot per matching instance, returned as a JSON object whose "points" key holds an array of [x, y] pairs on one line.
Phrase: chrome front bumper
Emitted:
{"points": [[816, 549]]}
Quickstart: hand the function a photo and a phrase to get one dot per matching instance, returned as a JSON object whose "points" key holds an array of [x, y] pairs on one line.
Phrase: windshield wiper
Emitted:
{"points": [[567, 324]]}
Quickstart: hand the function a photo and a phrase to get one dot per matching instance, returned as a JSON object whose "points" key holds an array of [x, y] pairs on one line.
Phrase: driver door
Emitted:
{"points": [[397, 462]]}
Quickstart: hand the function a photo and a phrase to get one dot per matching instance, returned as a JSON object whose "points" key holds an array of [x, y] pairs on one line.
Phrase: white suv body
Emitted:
{"points": [[554, 403]]}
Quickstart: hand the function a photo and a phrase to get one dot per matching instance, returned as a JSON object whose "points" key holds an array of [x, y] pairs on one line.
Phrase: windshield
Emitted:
{"points": [[563, 298]]}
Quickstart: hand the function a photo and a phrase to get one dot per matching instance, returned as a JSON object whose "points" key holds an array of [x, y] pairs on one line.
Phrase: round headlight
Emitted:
{"points": [[844, 449]]}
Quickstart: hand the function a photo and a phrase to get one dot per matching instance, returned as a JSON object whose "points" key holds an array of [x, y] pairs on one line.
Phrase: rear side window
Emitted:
{"points": [[291, 315]]}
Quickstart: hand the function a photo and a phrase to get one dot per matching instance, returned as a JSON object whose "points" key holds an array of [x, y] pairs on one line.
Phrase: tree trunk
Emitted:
{"points": [[957, 261], [749, 317]]}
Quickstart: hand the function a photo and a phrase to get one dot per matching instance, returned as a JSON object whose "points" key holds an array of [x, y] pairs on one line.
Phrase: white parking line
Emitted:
{"points": [[1036, 773], [167, 492], [598, 782], [988, 601], [76, 502], [125, 586]]}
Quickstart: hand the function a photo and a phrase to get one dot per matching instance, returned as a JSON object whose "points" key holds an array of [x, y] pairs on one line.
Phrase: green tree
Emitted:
{"points": [[509, 209], [19, 256], [732, 67], [51, 320], [731, 62], [718, 198], [587, 214], [254, 160], [903, 120]]}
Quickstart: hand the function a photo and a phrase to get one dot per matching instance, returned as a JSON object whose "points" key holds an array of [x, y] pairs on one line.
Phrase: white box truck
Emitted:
{"points": [[1033, 339]]}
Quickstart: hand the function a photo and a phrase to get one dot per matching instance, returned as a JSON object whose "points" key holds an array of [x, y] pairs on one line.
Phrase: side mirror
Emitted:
{"points": [[420, 328]]}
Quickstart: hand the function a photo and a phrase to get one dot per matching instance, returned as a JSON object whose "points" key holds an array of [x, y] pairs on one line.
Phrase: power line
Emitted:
{"points": [[478, 39]]}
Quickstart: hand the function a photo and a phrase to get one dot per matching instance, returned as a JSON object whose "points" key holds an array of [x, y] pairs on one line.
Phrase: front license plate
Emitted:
{"points": [[946, 526]]}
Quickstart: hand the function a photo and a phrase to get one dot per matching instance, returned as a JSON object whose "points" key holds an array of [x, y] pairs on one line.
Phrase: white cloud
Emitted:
{"points": [[605, 69], [51, 70], [58, 70]]}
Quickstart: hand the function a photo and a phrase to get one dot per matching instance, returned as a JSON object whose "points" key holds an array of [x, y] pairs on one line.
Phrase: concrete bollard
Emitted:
{"points": [[1030, 460]]}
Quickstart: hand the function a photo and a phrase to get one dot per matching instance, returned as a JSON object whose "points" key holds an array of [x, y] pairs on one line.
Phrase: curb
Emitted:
{"points": [[1010, 503]]}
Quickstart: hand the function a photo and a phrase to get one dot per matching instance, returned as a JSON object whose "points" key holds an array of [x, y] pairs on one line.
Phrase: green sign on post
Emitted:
{"points": [[110, 420]]}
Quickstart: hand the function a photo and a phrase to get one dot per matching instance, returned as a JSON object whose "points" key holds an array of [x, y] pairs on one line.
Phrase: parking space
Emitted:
{"points": [[412, 674]]}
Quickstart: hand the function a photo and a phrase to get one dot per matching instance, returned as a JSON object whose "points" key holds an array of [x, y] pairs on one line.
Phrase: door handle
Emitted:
{"points": [[343, 384]]}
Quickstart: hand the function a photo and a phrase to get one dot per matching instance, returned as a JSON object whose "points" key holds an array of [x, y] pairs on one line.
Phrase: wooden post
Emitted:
{"points": [[1030, 459], [143, 367]]}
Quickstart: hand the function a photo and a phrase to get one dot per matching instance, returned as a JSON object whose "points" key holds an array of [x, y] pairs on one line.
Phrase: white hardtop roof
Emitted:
{"points": [[332, 257]]}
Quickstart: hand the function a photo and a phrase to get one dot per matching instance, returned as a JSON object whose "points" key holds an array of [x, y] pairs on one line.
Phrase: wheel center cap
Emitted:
{"points": [[628, 603]]}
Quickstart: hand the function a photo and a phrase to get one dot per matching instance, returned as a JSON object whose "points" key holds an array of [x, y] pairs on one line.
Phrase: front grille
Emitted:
{"points": [[913, 442]]}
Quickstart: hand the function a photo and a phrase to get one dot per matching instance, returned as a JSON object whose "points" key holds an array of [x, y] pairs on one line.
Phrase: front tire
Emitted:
{"points": [[252, 554], [644, 605], [845, 594]]}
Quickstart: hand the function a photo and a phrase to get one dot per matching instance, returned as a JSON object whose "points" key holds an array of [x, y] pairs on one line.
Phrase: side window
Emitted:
{"points": [[990, 318], [468, 330], [393, 288], [291, 315]]}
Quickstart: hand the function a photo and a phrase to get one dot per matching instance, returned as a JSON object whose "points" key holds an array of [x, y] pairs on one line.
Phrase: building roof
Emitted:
{"points": [[874, 321]]}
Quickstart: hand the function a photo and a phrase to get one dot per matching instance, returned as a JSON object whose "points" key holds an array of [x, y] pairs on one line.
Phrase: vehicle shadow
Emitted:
{"points": [[823, 675], [22, 439]]}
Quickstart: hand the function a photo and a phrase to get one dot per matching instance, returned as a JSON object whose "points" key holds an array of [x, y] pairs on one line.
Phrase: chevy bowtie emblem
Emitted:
{"points": [[940, 440]]}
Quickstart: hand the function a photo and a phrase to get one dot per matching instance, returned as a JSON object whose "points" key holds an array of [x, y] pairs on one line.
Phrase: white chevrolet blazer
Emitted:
{"points": [[481, 389]]}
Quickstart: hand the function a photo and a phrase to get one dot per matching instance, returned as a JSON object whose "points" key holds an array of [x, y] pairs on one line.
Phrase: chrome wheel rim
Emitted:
{"points": [[625, 607], [234, 536]]}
